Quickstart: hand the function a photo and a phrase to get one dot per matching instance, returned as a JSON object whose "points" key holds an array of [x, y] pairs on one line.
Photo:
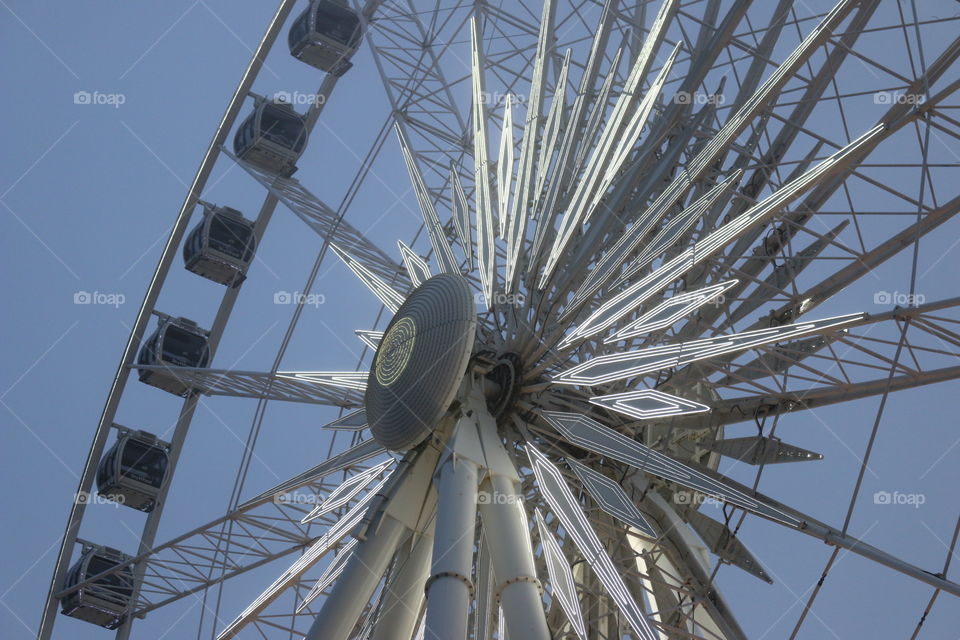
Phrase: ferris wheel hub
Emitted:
{"points": [[420, 362]]}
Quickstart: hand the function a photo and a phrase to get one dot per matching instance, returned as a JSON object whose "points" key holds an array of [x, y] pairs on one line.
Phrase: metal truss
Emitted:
{"points": [[323, 220], [265, 528], [334, 389]]}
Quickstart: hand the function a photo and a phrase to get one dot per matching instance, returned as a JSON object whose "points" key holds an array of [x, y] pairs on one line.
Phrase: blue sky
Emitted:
{"points": [[88, 192]]}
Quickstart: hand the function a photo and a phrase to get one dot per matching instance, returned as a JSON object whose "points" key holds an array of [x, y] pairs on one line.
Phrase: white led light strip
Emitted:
{"points": [[370, 338], [310, 557], [564, 506], [331, 573], [620, 366], [438, 238], [347, 491], [611, 498], [417, 268], [593, 436], [677, 306], [341, 379], [647, 404], [561, 578], [390, 298]]}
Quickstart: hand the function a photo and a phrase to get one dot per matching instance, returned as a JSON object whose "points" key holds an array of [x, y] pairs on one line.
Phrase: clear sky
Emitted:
{"points": [[88, 193]]}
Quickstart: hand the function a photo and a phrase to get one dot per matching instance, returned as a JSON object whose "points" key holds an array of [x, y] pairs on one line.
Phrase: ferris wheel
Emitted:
{"points": [[641, 224]]}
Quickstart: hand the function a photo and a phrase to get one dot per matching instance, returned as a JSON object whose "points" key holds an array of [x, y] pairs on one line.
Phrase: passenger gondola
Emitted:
{"points": [[221, 246], [326, 35], [134, 470], [105, 601], [177, 342], [272, 137]]}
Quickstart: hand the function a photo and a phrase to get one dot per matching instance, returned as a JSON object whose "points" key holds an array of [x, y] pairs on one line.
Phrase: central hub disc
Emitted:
{"points": [[420, 362]]}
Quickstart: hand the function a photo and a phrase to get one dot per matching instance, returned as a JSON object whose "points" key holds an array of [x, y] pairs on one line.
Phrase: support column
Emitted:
{"points": [[449, 589], [355, 586], [508, 538], [484, 614], [404, 594]]}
